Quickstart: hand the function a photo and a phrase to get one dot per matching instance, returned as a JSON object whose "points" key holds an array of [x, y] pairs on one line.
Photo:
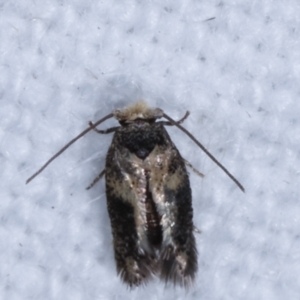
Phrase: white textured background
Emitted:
{"points": [[63, 63]]}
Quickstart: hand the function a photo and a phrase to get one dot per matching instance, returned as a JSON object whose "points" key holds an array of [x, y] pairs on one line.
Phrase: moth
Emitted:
{"points": [[149, 197]]}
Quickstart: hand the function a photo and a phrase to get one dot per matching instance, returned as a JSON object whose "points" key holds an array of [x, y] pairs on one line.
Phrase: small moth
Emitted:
{"points": [[149, 197]]}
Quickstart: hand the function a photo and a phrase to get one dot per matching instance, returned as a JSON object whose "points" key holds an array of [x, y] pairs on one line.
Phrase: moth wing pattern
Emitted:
{"points": [[178, 258], [149, 204]]}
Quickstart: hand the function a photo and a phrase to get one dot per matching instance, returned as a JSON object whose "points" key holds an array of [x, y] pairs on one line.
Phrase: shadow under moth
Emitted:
{"points": [[149, 198]]}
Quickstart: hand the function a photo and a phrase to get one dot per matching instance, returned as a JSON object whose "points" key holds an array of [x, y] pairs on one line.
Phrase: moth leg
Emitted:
{"points": [[109, 130], [167, 123], [96, 180], [193, 168], [197, 230]]}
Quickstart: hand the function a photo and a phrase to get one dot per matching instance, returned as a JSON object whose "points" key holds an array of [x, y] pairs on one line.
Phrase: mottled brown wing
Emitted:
{"points": [[171, 192], [149, 204], [134, 257]]}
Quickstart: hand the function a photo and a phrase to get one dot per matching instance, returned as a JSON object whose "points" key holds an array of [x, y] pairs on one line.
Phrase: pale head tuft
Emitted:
{"points": [[138, 110]]}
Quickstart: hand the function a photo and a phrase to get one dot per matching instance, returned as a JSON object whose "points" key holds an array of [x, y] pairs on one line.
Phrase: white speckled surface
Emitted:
{"points": [[63, 63]]}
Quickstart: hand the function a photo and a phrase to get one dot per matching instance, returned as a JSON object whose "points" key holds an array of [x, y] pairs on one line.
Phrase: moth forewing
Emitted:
{"points": [[149, 198]]}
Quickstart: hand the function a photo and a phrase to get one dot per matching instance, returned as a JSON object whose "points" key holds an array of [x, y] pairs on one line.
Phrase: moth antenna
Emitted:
{"points": [[205, 151], [197, 230], [68, 145]]}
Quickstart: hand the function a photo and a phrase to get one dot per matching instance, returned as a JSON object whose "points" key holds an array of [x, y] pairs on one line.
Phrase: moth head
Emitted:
{"points": [[139, 111]]}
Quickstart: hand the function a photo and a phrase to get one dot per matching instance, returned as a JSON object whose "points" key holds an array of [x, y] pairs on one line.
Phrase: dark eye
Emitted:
{"points": [[123, 123], [151, 121]]}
